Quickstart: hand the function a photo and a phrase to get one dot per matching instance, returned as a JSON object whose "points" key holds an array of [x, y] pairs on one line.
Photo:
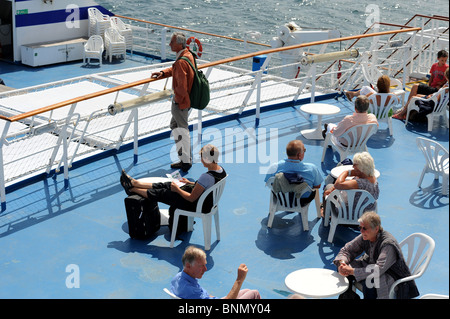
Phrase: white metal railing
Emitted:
{"points": [[54, 136]]}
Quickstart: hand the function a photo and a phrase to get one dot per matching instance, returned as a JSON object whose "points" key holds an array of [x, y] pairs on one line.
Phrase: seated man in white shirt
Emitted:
{"points": [[358, 118]]}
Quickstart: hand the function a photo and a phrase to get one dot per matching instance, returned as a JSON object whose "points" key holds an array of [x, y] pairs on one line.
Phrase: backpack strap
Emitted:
{"points": [[190, 63], [186, 59]]}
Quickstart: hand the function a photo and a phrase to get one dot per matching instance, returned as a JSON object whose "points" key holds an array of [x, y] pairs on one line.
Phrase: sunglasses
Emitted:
{"points": [[362, 228]]}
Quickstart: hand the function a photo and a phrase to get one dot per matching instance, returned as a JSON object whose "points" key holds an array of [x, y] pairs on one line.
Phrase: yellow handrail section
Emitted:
{"points": [[206, 65]]}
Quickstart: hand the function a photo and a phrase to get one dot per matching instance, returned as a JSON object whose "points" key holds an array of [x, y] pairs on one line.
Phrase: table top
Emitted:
{"points": [[320, 108], [335, 172], [316, 282]]}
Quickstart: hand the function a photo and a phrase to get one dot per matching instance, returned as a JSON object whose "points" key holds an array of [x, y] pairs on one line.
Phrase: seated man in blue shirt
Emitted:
{"points": [[185, 284], [295, 151]]}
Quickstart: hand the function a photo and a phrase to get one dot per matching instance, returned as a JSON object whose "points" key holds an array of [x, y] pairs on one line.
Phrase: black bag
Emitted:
{"points": [[425, 108], [143, 217]]}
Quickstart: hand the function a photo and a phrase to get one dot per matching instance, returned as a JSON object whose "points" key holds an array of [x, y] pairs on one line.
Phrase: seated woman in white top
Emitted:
{"points": [[185, 197]]}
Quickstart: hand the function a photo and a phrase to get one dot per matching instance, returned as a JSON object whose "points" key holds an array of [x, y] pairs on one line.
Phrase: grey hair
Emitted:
{"points": [[362, 103], [365, 163], [191, 254], [180, 38], [210, 154], [371, 218]]}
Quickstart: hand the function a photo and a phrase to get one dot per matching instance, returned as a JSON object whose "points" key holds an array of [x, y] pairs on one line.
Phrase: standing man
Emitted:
{"points": [[182, 79]]}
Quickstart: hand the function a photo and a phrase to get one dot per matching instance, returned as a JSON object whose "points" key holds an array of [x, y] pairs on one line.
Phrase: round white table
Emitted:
{"points": [[316, 282], [335, 172], [318, 109]]}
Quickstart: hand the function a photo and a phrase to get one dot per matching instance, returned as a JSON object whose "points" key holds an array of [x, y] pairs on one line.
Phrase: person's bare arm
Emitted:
{"points": [[242, 273]]}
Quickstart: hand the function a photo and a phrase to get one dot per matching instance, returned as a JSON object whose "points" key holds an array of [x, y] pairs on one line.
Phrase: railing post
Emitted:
{"points": [[258, 96], [163, 43], [136, 136], [313, 82], [2, 171], [63, 139]]}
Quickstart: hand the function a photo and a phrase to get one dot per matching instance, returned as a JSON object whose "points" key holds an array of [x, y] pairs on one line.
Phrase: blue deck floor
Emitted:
{"points": [[47, 229]]}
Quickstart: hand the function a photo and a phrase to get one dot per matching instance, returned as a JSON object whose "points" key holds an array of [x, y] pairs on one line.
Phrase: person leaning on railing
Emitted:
{"points": [[182, 80]]}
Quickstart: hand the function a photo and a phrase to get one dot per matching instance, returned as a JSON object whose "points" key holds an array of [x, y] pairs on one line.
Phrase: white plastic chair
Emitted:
{"points": [[114, 44], [173, 296], [124, 30], [417, 258], [93, 49], [440, 99], [98, 22], [289, 202], [437, 161], [381, 107], [355, 137], [216, 190], [347, 208]]}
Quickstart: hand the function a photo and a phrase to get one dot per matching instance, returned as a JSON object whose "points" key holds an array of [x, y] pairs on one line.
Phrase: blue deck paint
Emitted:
{"points": [[47, 228]]}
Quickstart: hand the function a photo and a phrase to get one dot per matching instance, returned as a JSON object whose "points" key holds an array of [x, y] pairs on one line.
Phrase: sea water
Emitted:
{"points": [[236, 17]]}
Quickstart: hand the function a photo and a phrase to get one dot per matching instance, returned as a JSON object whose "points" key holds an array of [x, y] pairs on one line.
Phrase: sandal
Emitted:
{"points": [[125, 181]]}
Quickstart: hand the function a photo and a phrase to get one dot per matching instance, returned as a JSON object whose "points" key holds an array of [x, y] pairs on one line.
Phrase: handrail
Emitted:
{"points": [[190, 30], [206, 65]]}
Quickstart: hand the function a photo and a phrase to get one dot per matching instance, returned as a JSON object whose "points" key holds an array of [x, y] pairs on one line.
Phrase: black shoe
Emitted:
{"points": [[176, 165], [180, 165], [125, 181], [186, 167]]}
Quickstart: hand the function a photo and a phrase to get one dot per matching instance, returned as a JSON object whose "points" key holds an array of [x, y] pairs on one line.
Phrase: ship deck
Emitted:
{"points": [[47, 229]]}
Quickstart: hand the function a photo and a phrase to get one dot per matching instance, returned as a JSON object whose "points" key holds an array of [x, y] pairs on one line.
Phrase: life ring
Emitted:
{"points": [[196, 48]]}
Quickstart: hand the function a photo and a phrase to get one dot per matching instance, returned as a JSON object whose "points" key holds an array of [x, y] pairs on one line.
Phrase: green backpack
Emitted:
{"points": [[199, 95]]}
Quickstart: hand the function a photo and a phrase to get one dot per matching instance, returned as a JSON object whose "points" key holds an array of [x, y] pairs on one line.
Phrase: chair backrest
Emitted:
{"points": [[381, 104], [357, 136], [173, 296], [112, 35], [96, 14], [440, 99], [116, 22], [95, 42], [436, 155], [419, 248], [350, 204], [216, 191], [287, 200], [371, 75]]}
